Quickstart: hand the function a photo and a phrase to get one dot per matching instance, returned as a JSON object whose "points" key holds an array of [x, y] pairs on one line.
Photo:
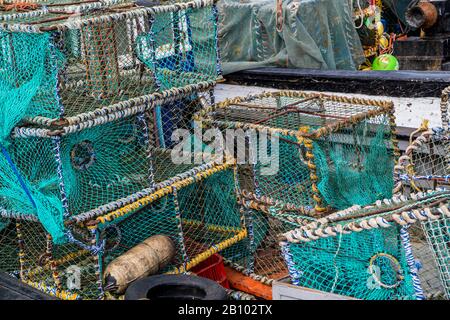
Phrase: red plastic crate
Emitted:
{"points": [[214, 269]]}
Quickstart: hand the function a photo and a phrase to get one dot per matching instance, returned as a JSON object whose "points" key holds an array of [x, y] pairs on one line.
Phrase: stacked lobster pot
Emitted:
{"points": [[331, 153], [342, 212], [88, 170]]}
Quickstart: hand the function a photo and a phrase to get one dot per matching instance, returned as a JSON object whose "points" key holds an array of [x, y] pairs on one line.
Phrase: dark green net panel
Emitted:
{"points": [[368, 265], [356, 164]]}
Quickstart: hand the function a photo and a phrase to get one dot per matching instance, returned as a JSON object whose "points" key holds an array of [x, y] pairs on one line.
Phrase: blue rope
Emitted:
{"points": [[404, 235], [18, 175], [94, 249]]}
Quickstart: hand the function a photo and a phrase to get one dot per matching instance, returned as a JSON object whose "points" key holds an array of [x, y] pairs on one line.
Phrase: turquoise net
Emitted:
{"points": [[359, 172], [367, 265]]}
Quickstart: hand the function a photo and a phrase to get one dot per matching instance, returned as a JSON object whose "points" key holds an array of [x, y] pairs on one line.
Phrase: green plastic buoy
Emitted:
{"points": [[385, 62]]}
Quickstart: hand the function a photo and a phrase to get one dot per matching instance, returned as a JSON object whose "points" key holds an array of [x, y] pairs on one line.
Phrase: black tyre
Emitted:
{"points": [[175, 287]]}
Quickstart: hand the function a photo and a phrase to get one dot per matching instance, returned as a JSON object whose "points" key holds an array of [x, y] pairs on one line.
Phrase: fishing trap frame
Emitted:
{"points": [[259, 256], [425, 165], [333, 151]]}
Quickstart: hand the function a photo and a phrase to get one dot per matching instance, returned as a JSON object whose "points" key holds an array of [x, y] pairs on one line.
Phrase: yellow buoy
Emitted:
{"points": [[384, 42], [380, 28]]}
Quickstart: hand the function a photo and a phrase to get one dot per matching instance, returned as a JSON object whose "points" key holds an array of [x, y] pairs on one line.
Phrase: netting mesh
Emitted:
{"points": [[22, 73], [352, 175], [332, 151], [317, 34], [425, 167], [438, 237], [371, 252], [200, 215], [367, 265], [259, 255], [424, 249], [57, 64]]}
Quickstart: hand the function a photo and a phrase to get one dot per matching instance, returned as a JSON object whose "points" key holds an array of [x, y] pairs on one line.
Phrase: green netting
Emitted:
{"points": [[22, 74], [315, 34], [367, 265], [438, 237], [292, 182], [103, 58], [201, 217], [9, 257], [358, 173], [324, 151], [124, 233]]}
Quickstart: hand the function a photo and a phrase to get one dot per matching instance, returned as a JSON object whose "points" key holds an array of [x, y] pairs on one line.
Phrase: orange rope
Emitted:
{"points": [[390, 48], [20, 6]]}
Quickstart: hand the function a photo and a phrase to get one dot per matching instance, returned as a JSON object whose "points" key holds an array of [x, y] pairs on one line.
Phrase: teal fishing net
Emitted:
{"points": [[398, 7], [259, 254], [425, 167], [367, 265], [60, 173], [358, 172], [78, 172]]}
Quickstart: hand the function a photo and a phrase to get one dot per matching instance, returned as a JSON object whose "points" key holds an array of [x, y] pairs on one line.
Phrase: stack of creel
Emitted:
{"points": [[327, 153], [89, 103]]}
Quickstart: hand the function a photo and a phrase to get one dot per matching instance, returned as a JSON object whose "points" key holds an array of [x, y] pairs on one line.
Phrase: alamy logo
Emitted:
{"points": [[73, 277], [246, 147]]}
